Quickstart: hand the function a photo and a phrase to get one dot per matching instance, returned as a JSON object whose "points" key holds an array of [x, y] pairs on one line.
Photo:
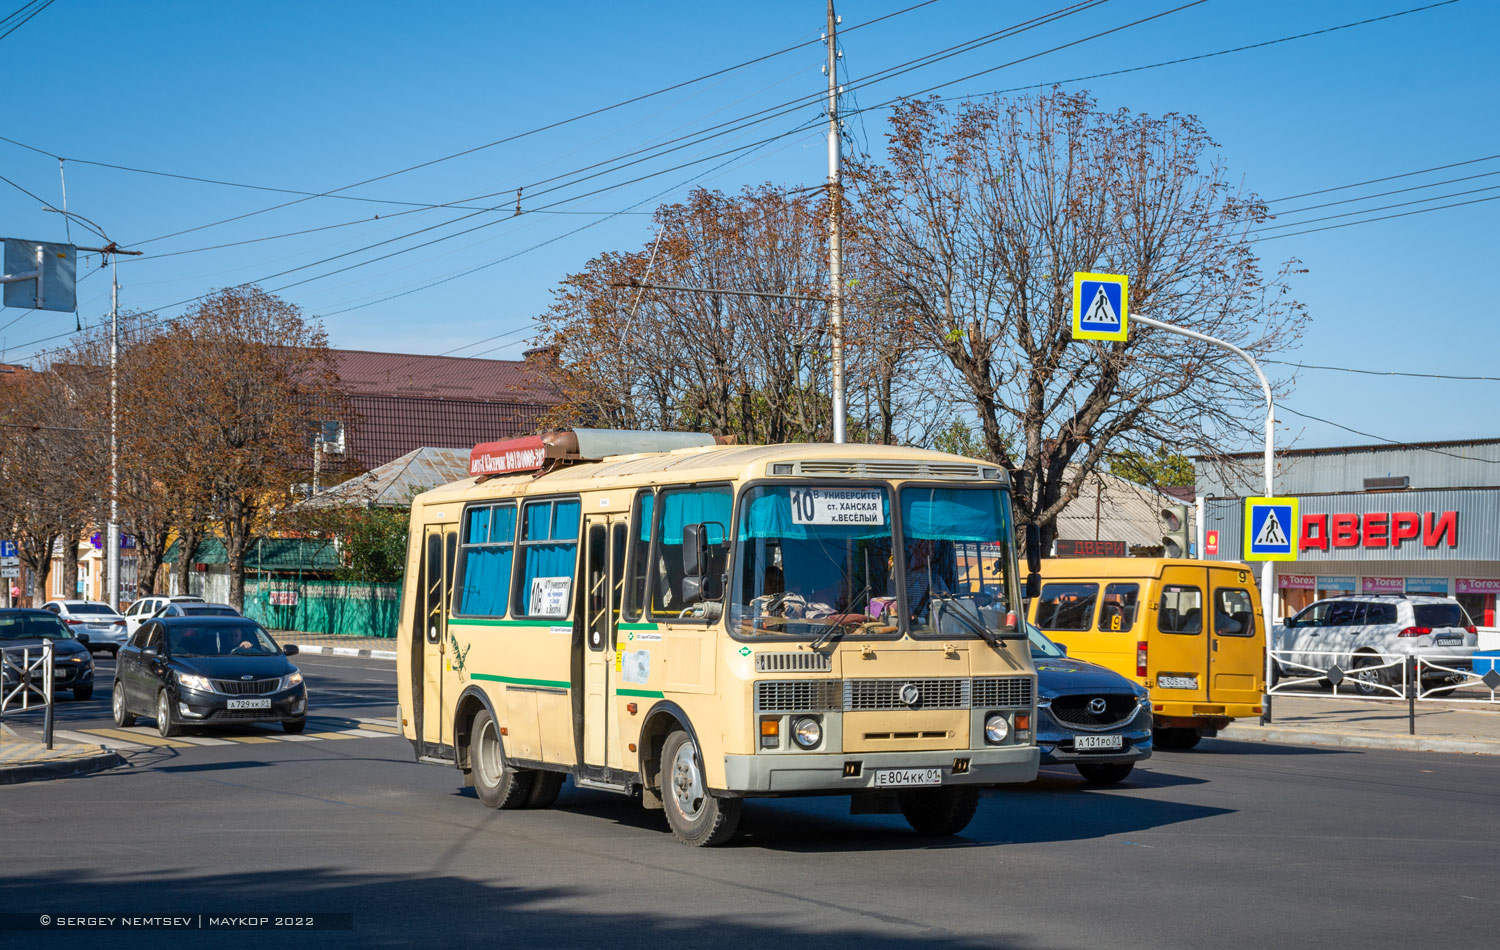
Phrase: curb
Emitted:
{"points": [[1345, 740], [347, 651], [63, 768]]}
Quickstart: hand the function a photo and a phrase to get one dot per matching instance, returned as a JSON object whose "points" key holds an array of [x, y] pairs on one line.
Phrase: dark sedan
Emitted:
{"points": [[72, 667], [1087, 716], [192, 671]]}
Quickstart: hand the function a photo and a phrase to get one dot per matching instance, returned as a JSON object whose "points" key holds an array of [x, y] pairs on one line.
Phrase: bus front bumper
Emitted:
{"points": [[793, 773]]}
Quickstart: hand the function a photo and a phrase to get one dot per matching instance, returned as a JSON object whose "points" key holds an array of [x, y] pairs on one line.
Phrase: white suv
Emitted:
{"points": [[147, 607], [1369, 630]]}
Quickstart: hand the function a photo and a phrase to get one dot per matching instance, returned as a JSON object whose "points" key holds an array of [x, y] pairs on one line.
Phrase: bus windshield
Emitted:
{"points": [[957, 544], [811, 558]]}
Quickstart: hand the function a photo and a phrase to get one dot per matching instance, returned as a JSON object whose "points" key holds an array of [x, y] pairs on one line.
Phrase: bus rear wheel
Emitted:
{"points": [[696, 816], [1176, 739], [544, 789], [939, 812], [496, 783]]}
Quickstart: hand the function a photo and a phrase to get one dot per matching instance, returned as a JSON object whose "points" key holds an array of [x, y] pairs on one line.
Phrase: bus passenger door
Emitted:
{"points": [[605, 581], [440, 546]]}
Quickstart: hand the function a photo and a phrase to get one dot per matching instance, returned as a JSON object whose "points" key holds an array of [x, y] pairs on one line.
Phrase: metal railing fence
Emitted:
{"points": [[1414, 677], [26, 683]]}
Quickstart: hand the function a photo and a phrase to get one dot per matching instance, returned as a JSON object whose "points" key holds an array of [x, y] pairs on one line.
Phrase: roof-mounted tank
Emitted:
{"points": [[536, 453]]}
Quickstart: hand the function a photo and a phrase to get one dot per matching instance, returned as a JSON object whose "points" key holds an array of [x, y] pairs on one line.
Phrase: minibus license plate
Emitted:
{"points": [[1177, 682], [249, 703], [1448, 641], [1098, 743], [890, 778]]}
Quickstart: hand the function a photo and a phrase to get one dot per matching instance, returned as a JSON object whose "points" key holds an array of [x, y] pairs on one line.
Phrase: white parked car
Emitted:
{"points": [[1367, 630], [147, 607], [98, 623]]}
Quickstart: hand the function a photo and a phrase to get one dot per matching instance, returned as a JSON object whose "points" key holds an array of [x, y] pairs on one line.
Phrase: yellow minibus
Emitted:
{"points": [[694, 623], [1189, 631]]}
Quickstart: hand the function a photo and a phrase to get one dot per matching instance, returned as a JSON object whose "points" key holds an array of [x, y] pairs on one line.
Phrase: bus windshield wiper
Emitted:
{"points": [[977, 626]]}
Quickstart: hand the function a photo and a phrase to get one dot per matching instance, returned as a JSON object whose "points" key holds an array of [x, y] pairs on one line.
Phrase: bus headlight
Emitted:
{"points": [[807, 732], [996, 728]]}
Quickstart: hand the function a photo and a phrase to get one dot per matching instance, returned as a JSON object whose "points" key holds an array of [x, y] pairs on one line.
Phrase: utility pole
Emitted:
{"points": [[835, 231], [113, 252]]}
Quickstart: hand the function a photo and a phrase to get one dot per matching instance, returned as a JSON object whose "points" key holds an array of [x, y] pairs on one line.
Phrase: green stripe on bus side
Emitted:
{"points": [[640, 626], [643, 693], [518, 681]]}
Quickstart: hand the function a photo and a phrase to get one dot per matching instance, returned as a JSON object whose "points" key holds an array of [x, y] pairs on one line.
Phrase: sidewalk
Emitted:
{"points": [[379, 648], [25, 761], [1375, 724]]}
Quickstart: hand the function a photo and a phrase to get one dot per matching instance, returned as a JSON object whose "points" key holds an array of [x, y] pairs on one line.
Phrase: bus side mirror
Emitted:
{"points": [[694, 550], [1033, 585], [1033, 550]]}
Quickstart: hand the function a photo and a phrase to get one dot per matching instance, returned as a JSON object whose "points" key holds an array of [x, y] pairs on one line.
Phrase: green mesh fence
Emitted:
{"points": [[328, 607]]}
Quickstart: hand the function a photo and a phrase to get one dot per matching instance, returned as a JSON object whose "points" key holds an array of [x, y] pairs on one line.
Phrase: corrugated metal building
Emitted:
{"points": [[1420, 518]]}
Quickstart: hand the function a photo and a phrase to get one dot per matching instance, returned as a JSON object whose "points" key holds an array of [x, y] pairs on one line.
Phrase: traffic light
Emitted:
{"points": [[1174, 538]]}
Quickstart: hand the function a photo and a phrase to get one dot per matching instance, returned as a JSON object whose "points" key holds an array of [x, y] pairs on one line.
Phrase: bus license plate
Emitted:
{"points": [[891, 778], [1177, 682], [1098, 743], [249, 704]]}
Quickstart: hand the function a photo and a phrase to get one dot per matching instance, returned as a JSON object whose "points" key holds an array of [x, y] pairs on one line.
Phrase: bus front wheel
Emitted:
{"points": [[941, 811], [696, 816], [496, 783]]}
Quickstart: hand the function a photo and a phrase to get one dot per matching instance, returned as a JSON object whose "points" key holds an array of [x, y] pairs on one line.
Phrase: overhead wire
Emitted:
{"points": [[539, 129], [27, 19], [1381, 438], [1383, 372]]}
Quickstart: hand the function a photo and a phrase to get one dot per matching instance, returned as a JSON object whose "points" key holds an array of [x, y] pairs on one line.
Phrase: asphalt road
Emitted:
{"points": [[1232, 845]]}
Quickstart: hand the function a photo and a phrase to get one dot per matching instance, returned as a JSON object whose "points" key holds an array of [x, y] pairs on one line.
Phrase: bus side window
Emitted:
{"points": [[679, 508], [640, 554], [1181, 610], [1066, 606], [1117, 612], [488, 548], [549, 554]]}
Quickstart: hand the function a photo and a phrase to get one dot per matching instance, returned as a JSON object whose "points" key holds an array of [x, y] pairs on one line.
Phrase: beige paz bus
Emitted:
{"points": [[662, 615]]}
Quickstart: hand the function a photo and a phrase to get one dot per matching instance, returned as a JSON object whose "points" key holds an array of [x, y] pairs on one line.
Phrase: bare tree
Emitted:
{"points": [[975, 225], [752, 366]]}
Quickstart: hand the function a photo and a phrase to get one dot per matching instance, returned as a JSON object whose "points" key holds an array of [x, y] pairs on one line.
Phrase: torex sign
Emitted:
{"points": [[1402, 530]]}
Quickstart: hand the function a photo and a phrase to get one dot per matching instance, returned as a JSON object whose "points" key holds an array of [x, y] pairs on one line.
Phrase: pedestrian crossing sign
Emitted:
{"points": [[1271, 529], [1101, 305]]}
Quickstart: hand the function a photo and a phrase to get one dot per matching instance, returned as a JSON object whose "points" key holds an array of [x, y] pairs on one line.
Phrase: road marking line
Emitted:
{"points": [[379, 722], [328, 735], [150, 740], [289, 737], [250, 738], [204, 740], [116, 744]]}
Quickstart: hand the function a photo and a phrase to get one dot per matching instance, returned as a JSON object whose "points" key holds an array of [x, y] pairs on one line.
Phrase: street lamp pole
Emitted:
{"points": [[1267, 576]]}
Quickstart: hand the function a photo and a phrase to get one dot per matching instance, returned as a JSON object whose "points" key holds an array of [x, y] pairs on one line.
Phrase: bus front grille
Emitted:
{"points": [[946, 693], [804, 661], [1001, 691], [797, 696]]}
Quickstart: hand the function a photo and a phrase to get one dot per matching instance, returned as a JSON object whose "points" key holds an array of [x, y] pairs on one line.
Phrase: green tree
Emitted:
{"points": [[1160, 470]]}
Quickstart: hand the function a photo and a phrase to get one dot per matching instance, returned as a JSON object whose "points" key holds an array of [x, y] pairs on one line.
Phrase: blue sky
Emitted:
{"points": [[314, 97]]}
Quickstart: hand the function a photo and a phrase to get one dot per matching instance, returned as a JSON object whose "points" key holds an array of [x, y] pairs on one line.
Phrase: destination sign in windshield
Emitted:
{"points": [[838, 506]]}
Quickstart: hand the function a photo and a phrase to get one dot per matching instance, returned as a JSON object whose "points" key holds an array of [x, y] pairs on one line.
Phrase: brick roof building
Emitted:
{"points": [[400, 402]]}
